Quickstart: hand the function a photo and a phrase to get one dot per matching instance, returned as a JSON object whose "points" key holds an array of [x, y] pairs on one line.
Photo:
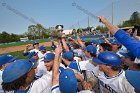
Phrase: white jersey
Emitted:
{"points": [[137, 60], [41, 85], [1, 90], [82, 65], [98, 48], [34, 50], [41, 69], [115, 84], [123, 49], [55, 89]]}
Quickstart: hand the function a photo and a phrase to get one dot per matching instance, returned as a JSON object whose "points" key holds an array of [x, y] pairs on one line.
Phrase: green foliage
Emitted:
{"points": [[20, 54], [6, 37], [22, 43], [38, 31], [134, 20], [126, 23], [102, 29]]}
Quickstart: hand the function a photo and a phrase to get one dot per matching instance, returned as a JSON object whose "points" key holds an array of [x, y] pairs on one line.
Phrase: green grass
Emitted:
{"points": [[22, 43], [20, 53]]}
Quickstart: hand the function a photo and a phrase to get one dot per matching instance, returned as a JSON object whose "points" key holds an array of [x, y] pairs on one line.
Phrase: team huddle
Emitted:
{"points": [[75, 66]]}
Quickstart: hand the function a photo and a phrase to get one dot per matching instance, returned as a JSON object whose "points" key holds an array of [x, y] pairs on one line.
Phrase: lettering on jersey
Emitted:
{"points": [[107, 87]]}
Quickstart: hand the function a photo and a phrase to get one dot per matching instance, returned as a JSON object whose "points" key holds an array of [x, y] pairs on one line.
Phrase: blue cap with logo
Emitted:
{"points": [[94, 42], [133, 78], [49, 57], [53, 47], [68, 81], [42, 47], [31, 54], [91, 49], [68, 55], [6, 58], [16, 70], [35, 42], [108, 58]]}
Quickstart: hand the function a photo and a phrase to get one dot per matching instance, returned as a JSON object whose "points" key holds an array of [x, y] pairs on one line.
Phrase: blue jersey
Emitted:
{"points": [[130, 43]]}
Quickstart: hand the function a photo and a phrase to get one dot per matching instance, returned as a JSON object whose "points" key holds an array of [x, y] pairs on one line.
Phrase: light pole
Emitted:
{"points": [[112, 16]]}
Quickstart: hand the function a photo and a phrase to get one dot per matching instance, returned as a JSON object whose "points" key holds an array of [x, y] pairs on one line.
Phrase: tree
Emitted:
{"points": [[32, 32], [6, 37], [127, 23], [135, 18], [102, 29]]}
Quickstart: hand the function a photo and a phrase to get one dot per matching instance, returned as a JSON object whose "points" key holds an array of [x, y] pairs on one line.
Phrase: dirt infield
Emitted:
{"points": [[19, 48]]}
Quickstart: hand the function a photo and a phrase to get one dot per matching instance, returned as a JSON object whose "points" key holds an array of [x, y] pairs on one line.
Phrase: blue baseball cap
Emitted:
{"points": [[53, 47], [35, 64], [6, 58], [133, 78], [116, 42], [68, 81], [108, 58], [49, 57], [91, 49], [31, 54], [94, 42], [16, 70], [35, 42], [42, 47], [68, 55]]}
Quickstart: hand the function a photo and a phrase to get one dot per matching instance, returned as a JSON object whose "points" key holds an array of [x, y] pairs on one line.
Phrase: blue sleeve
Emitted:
{"points": [[61, 69], [74, 65], [130, 43], [25, 54]]}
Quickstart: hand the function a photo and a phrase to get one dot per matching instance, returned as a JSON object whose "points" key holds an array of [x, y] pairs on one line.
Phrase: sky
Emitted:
{"points": [[17, 15]]}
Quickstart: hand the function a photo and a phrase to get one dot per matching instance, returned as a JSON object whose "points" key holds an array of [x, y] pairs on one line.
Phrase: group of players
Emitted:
{"points": [[75, 66]]}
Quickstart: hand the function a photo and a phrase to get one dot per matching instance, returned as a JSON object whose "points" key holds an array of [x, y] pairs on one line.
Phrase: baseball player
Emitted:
{"points": [[111, 77], [18, 77], [41, 69], [35, 48], [123, 37], [5, 60], [66, 82], [133, 79]]}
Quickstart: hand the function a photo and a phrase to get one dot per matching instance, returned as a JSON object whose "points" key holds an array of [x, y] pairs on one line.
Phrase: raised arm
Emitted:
{"points": [[123, 37], [65, 46], [56, 65], [113, 29], [80, 42]]}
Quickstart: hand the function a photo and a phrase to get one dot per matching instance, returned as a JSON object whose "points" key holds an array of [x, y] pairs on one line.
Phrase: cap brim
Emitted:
{"points": [[35, 44], [133, 78], [32, 60], [96, 60], [35, 64], [46, 61], [14, 58], [124, 54]]}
